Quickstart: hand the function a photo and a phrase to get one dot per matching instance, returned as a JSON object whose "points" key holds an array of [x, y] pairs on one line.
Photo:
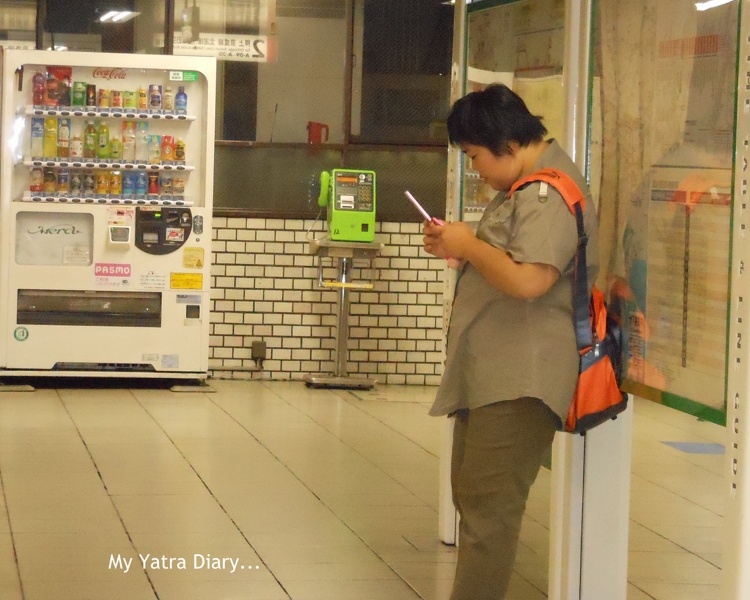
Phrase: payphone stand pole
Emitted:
{"points": [[343, 254]]}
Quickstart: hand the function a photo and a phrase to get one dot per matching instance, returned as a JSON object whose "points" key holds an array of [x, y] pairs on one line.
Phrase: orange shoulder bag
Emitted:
{"points": [[599, 337]]}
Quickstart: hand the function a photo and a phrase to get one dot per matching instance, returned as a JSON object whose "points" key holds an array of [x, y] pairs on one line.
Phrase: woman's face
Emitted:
{"points": [[499, 172]]}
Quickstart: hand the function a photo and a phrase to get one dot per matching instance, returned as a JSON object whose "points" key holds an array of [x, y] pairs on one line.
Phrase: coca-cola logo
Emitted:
{"points": [[100, 73]]}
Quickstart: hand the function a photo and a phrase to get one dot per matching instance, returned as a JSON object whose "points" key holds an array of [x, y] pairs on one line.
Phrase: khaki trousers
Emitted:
{"points": [[497, 452]]}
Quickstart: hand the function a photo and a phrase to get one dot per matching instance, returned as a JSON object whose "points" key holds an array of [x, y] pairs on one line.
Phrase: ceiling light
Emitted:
{"points": [[125, 15], [710, 4], [118, 16]]}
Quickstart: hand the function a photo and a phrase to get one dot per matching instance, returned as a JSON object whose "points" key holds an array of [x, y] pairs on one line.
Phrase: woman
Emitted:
{"points": [[512, 363]]}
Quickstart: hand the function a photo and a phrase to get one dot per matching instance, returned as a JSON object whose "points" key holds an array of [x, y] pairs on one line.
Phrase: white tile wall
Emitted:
{"points": [[264, 287]]}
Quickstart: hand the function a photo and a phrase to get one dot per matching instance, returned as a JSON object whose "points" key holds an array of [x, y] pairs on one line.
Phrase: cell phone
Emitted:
{"points": [[421, 209]]}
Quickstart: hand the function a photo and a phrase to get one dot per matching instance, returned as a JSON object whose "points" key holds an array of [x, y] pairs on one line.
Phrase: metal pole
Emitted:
{"points": [[447, 517], [735, 576], [590, 496], [41, 19], [169, 12], [342, 336]]}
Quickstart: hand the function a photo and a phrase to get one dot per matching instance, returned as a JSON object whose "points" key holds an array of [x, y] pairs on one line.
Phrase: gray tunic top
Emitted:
{"points": [[501, 347]]}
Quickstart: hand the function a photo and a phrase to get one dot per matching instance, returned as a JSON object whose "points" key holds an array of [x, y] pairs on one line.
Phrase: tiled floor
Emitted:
{"points": [[271, 491]]}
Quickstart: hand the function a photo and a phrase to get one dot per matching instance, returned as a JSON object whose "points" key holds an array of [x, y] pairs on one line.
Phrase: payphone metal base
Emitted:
{"points": [[343, 254], [334, 382]]}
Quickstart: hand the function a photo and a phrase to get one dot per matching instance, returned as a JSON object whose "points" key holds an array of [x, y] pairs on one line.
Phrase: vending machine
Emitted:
{"points": [[106, 184]]}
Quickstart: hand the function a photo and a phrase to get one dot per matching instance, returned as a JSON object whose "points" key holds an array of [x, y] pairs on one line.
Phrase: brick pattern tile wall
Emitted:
{"points": [[265, 287]]}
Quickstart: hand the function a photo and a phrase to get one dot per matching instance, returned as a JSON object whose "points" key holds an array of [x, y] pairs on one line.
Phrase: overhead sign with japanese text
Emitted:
{"points": [[225, 46]]}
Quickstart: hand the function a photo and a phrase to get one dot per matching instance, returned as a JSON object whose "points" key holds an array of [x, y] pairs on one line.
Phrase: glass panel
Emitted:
{"points": [[270, 179], [149, 26], [420, 172], [281, 69], [518, 43], [18, 24], [279, 179], [663, 98], [401, 71], [102, 26]]}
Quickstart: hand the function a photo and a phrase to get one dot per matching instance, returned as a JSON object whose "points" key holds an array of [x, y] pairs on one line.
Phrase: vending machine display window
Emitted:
{"points": [[54, 238]]}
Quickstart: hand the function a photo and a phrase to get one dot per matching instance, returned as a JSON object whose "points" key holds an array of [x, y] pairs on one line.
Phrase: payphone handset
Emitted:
{"points": [[349, 196]]}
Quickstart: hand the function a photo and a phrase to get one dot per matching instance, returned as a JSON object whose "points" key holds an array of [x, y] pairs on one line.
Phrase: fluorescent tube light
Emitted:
{"points": [[118, 16], [125, 15], [710, 4]]}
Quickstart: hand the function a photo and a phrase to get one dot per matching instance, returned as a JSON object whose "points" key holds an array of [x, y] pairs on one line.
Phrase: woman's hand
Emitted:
{"points": [[458, 241], [448, 240], [432, 243]]}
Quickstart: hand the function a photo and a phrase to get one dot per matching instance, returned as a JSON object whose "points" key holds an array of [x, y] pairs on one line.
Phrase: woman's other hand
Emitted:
{"points": [[448, 240]]}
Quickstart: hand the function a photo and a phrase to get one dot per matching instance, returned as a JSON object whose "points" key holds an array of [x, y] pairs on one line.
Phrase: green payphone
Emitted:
{"points": [[349, 195]]}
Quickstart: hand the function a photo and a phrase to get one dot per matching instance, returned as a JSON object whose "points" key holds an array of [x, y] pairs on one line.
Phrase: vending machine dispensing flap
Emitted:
{"points": [[162, 229]]}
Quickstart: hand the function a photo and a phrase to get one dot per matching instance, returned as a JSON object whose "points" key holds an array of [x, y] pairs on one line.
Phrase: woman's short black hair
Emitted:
{"points": [[493, 118]]}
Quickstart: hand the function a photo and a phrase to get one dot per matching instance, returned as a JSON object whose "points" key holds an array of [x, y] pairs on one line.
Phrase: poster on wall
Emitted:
{"points": [[680, 346], [668, 114]]}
